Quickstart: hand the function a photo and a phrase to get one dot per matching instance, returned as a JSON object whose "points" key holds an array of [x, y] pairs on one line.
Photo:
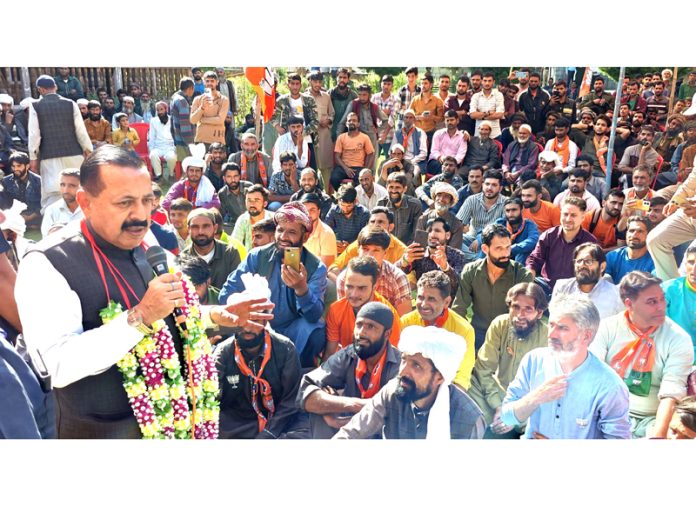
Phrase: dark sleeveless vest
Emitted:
{"points": [[57, 126], [96, 407]]}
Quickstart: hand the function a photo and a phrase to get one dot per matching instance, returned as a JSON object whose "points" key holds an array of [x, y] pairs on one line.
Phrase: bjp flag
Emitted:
{"points": [[263, 82], [586, 82]]}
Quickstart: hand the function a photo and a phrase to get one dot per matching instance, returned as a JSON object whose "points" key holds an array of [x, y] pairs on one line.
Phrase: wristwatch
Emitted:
{"points": [[135, 320]]}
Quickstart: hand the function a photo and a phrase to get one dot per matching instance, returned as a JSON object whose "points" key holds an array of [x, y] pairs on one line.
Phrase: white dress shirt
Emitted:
{"points": [[378, 193]]}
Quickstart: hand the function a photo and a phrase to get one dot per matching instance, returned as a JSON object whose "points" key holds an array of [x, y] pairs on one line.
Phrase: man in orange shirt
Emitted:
{"points": [[543, 213], [353, 152], [360, 281], [429, 109], [603, 223]]}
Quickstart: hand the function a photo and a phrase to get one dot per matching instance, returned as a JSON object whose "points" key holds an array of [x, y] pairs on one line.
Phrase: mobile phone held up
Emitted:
{"points": [[292, 258], [421, 237]]}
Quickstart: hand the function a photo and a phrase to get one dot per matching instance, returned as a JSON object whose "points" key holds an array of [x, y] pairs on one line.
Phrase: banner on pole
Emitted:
{"points": [[263, 82], [586, 82]]}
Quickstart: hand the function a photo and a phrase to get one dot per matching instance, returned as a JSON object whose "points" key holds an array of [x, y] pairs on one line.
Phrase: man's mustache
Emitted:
{"points": [[134, 223]]}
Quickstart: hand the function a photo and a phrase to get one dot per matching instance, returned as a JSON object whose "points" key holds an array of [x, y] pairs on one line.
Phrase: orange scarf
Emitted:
{"points": [[440, 321], [513, 235], [635, 361], [258, 384], [563, 150], [375, 376], [262, 168]]}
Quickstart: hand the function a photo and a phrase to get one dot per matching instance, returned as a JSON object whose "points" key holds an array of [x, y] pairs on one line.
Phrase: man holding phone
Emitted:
{"points": [[430, 252], [296, 278]]}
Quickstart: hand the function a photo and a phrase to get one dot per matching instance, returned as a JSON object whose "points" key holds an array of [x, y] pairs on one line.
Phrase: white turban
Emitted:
{"points": [[446, 350], [197, 158], [525, 126]]}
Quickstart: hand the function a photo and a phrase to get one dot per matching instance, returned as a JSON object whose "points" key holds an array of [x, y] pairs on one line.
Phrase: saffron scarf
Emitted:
{"points": [[634, 363], [563, 150], [263, 173], [259, 386], [375, 376]]}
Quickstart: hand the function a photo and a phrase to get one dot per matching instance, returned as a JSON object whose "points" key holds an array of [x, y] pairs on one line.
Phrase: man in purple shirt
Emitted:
{"points": [[196, 188], [552, 258]]}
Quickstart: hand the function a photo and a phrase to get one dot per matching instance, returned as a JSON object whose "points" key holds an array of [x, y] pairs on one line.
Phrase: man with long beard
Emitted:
{"points": [[508, 339], [590, 264], [160, 142], [255, 165], [222, 258], [521, 157], [484, 283], [563, 391], [421, 402], [357, 371]]}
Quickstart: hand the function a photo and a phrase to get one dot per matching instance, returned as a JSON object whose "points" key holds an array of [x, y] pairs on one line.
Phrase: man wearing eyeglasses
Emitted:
{"points": [[590, 263]]}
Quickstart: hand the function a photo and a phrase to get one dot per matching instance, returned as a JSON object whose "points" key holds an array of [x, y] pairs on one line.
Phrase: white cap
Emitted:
{"points": [[691, 110], [6, 99]]}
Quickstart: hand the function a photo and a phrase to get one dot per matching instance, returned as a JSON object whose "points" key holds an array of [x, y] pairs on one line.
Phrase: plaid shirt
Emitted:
{"points": [[455, 259], [392, 284], [280, 186], [393, 418], [347, 229], [391, 104], [405, 97]]}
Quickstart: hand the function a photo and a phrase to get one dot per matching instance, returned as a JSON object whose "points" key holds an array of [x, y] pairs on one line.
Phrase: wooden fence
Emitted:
{"points": [[160, 82]]}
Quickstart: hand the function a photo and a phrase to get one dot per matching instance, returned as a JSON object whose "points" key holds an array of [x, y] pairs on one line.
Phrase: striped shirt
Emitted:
{"points": [[392, 284], [474, 212]]}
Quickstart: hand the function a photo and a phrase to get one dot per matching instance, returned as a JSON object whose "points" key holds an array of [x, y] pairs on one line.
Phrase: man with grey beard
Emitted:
{"points": [[563, 391]]}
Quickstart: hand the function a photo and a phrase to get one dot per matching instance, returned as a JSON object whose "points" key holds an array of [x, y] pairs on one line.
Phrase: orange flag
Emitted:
{"points": [[586, 81], [263, 82]]}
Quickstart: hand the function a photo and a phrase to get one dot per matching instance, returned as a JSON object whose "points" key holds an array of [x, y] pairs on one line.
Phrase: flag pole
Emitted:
{"points": [[614, 121]]}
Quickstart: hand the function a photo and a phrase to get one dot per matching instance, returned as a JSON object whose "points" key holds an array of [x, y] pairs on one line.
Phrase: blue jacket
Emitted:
{"points": [[26, 412], [523, 244]]}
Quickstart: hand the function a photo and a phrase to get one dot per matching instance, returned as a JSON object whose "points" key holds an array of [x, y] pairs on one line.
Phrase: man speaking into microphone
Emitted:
{"points": [[69, 278]]}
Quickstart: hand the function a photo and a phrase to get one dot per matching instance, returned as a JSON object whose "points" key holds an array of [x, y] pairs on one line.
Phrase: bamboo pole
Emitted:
{"points": [[672, 94]]}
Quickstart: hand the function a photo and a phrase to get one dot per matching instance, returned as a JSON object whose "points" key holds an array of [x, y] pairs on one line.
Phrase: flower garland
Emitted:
{"points": [[160, 397]]}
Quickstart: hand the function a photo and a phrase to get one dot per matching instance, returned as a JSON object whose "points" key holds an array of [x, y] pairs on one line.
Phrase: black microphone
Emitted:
{"points": [[157, 258]]}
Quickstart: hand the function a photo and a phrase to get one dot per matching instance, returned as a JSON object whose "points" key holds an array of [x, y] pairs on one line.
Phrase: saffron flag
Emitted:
{"points": [[586, 81], [263, 82]]}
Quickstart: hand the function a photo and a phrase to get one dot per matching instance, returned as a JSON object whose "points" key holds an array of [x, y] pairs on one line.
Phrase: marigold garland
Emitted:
{"points": [[158, 393]]}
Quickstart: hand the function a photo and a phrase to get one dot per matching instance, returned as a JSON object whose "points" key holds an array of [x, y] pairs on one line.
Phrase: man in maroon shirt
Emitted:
{"points": [[552, 258]]}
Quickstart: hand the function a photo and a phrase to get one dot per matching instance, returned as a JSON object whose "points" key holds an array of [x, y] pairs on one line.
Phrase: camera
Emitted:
{"points": [[556, 93]]}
